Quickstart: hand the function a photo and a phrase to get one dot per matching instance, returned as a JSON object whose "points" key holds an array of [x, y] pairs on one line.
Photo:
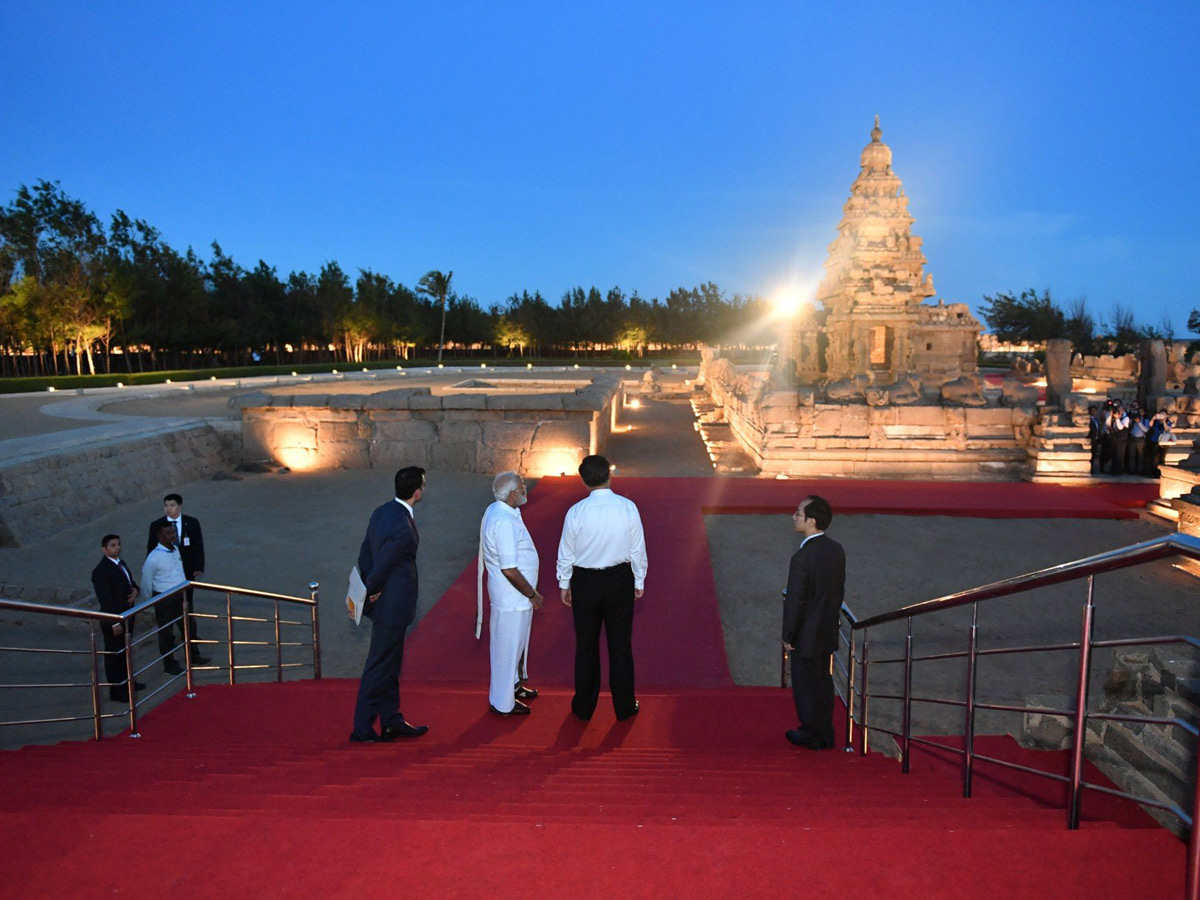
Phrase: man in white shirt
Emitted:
{"points": [[506, 550], [601, 571], [163, 570]]}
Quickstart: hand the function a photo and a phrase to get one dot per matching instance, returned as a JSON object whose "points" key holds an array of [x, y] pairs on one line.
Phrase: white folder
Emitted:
{"points": [[356, 596]]}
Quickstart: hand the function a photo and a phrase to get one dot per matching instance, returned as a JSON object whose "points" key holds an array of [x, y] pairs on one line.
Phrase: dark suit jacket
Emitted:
{"points": [[815, 591], [112, 589], [387, 563], [191, 546]]}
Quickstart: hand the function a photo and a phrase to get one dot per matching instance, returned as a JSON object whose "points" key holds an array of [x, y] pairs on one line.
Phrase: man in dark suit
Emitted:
{"points": [[189, 539], [116, 592], [815, 591], [387, 564]]}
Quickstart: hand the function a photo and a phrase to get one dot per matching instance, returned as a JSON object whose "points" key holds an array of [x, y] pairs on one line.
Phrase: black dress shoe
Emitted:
{"points": [[172, 667], [369, 739], [138, 686], [403, 730], [636, 708], [525, 693], [803, 738], [519, 709]]}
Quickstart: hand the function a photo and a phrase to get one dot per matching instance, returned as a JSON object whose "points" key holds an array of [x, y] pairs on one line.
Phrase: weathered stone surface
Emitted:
{"points": [[560, 436], [335, 432], [345, 455], [346, 401], [585, 400], [254, 399], [464, 401], [453, 457], [460, 432], [552, 462], [294, 436], [854, 422], [508, 435], [412, 430], [398, 398], [525, 401], [424, 402], [964, 391], [386, 415], [1058, 371], [394, 454], [494, 460]]}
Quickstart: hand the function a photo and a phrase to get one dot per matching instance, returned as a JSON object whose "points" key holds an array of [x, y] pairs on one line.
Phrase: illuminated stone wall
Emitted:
{"points": [[535, 434]]}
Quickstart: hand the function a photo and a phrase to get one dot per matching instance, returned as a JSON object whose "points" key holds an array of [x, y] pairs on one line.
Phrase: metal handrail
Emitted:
{"points": [[1135, 554], [1166, 547], [135, 701]]}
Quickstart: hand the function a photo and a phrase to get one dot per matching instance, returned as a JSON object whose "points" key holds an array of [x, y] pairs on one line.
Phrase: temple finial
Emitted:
{"points": [[876, 132]]}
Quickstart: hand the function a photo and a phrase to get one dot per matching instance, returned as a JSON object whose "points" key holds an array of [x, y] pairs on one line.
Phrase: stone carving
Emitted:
{"points": [[650, 383], [966, 390], [1016, 393], [904, 392], [1058, 371], [848, 390]]}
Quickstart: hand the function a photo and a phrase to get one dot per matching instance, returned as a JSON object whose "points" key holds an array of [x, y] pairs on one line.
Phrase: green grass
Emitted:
{"points": [[20, 385]]}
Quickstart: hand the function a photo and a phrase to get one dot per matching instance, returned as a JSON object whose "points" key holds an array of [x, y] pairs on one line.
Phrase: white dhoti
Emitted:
{"points": [[509, 643]]}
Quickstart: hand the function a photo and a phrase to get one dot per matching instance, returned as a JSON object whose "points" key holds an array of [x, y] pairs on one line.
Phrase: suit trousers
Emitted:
{"points": [[508, 638], [812, 689], [379, 690], [603, 598], [116, 669]]}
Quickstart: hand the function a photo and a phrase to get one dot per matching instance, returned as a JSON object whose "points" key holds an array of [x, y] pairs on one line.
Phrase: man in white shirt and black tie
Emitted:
{"points": [[601, 571], [116, 592], [507, 553]]}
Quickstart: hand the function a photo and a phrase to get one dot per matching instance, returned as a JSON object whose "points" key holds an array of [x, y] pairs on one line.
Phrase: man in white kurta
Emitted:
{"points": [[511, 560]]}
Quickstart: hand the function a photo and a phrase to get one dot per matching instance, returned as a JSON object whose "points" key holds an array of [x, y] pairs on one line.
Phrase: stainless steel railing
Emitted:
{"points": [[856, 633], [231, 642]]}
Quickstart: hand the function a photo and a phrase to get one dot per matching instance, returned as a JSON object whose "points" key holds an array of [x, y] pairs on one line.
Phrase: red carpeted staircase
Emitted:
{"points": [[254, 791]]}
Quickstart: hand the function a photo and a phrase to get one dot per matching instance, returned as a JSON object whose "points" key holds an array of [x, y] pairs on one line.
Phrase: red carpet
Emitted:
{"points": [[681, 598], [253, 792]]}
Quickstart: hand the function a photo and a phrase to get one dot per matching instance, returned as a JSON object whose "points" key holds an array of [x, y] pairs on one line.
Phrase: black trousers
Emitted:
{"points": [[812, 689], [603, 598], [116, 669], [173, 609]]}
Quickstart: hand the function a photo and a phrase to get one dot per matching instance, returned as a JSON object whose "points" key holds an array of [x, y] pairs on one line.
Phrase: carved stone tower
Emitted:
{"points": [[874, 288]]}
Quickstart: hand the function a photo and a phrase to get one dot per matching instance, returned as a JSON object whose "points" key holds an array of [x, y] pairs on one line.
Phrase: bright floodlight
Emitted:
{"points": [[788, 303]]}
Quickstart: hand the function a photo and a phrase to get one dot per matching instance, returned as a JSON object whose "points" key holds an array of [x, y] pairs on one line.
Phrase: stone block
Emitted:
{"points": [[854, 421], [424, 401], [988, 416], [472, 415], [494, 460], [539, 463], [396, 454], [509, 435], [344, 455], [253, 400], [256, 437], [397, 398], [412, 430], [562, 436], [586, 400], [457, 457], [346, 401], [337, 432], [827, 421], [525, 401], [920, 415], [294, 436], [459, 432], [387, 415], [465, 401], [281, 400]]}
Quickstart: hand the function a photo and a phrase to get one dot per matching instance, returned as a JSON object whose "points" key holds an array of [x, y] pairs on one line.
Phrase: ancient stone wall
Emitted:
{"points": [[792, 432], [42, 494], [536, 434]]}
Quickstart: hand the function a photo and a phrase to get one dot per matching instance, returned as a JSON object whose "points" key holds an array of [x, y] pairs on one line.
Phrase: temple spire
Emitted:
{"points": [[876, 132]]}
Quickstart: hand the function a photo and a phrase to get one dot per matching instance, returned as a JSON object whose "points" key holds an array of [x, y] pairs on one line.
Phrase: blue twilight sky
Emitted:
{"points": [[647, 145]]}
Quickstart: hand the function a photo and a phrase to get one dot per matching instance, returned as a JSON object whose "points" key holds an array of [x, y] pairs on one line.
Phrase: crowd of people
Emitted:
{"points": [[1129, 441]]}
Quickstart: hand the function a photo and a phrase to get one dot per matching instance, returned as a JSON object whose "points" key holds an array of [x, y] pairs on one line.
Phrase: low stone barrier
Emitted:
{"points": [[43, 493], [473, 431]]}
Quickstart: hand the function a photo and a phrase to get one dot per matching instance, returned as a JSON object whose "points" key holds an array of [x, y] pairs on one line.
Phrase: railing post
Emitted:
{"points": [[129, 680], [229, 636], [863, 709], [1081, 700], [188, 687], [848, 746], [313, 587], [97, 731], [968, 772], [906, 727], [278, 647]]}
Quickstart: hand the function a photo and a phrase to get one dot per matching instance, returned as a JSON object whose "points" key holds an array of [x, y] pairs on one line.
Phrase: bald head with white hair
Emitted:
{"points": [[503, 486]]}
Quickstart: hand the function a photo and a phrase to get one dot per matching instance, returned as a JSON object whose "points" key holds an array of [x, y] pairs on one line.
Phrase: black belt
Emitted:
{"points": [[607, 569]]}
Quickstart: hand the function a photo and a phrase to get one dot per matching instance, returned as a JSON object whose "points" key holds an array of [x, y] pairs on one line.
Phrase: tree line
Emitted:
{"points": [[1031, 317], [81, 296]]}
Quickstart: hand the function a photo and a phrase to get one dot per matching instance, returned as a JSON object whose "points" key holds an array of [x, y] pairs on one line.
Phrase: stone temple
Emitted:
{"points": [[875, 322]]}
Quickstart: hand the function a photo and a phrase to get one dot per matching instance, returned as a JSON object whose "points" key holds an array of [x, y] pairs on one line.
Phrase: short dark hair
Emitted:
{"points": [[819, 510], [173, 497], [109, 537], [594, 470], [409, 480], [167, 524]]}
